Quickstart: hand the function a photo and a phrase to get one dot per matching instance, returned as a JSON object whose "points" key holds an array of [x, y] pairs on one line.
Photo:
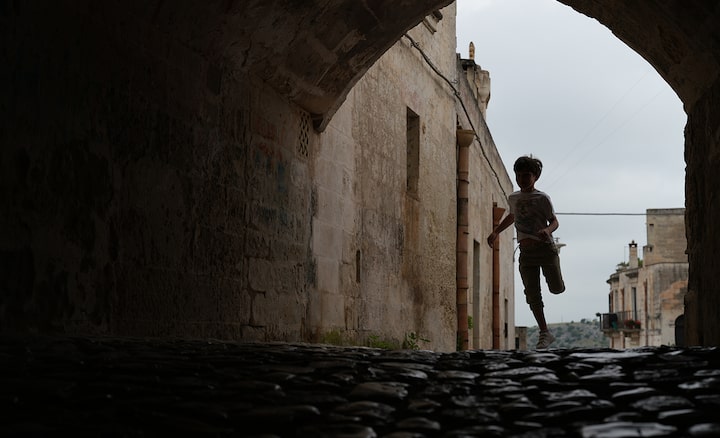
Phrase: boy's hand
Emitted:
{"points": [[491, 239], [545, 234]]}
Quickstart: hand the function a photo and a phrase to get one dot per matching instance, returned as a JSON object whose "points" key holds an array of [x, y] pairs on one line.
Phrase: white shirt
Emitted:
{"points": [[533, 211]]}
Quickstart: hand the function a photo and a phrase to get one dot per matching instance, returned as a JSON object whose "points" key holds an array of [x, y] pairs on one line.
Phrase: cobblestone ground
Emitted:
{"points": [[137, 388]]}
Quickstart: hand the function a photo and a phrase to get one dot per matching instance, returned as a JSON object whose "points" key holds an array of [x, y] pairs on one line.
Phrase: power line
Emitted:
{"points": [[607, 113], [429, 62], [621, 214], [587, 153]]}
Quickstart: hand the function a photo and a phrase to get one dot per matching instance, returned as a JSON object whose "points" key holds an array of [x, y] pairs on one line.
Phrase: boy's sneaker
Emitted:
{"points": [[544, 340]]}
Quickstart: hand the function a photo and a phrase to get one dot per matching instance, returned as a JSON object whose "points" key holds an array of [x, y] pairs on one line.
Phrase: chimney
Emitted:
{"points": [[633, 255]]}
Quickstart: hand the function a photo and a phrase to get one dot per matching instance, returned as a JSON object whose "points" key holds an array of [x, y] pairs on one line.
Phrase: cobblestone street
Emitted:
{"points": [[117, 387]]}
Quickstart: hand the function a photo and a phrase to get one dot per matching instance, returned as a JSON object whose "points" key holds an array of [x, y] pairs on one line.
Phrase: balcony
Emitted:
{"points": [[620, 322]]}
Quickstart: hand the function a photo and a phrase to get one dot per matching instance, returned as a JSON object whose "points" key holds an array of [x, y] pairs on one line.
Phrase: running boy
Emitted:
{"points": [[534, 217]]}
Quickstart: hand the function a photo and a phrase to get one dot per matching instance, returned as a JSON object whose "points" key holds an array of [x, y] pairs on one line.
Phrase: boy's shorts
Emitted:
{"points": [[543, 256]]}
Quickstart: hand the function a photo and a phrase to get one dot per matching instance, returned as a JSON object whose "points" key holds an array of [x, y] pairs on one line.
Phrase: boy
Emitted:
{"points": [[534, 217]]}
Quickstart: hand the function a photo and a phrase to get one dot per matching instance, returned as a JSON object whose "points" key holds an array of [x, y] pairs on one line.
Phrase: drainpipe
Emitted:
{"points": [[645, 323], [464, 139], [622, 323], [497, 216]]}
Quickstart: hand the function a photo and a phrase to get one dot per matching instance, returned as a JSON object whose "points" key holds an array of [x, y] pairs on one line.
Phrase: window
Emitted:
{"points": [[413, 152], [432, 20], [304, 135]]}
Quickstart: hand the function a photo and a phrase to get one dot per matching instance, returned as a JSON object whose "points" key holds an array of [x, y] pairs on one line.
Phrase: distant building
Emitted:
{"points": [[646, 300]]}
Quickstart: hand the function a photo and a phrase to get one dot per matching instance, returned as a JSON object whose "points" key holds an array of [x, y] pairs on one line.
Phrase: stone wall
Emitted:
{"points": [[489, 186], [667, 285], [152, 187], [666, 242], [665, 272], [660, 285], [146, 188], [385, 251], [702, 153]]}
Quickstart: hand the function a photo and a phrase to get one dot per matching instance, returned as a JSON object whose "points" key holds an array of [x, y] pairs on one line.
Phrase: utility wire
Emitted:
{"points": [[462, 104], [620, 214], [574, 166], [607, 113], [492, 168]]}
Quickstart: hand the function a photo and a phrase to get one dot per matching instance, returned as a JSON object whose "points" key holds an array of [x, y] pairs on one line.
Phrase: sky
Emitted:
{"points": [[607, 127]]}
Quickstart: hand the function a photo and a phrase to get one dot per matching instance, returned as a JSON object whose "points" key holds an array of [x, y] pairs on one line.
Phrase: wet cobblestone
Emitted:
{"points": [[114, 387]]}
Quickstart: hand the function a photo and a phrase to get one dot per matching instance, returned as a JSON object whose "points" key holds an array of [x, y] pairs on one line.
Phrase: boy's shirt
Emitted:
{"points": [[533, 211]]}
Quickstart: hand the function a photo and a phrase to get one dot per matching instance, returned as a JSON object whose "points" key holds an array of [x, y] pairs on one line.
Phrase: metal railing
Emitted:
{"points": [[620, 321]]}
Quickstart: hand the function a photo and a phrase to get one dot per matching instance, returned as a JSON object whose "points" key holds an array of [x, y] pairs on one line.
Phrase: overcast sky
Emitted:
{"points": [[607, 127]]}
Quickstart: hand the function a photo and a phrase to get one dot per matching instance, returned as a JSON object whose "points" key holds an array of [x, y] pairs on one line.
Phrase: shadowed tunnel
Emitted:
{"points": [[132, 203]]}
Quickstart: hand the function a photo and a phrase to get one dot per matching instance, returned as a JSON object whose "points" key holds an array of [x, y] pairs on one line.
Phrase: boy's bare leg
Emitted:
{"points": [[545, 338], [540, 318]]}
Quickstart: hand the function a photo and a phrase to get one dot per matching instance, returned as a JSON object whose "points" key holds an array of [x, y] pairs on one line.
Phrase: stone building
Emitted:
{"points": [[646, 300], [385, 229], [158, 160]]}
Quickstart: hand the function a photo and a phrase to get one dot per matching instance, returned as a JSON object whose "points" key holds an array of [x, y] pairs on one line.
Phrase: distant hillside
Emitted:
{"points": [[583, 334]]}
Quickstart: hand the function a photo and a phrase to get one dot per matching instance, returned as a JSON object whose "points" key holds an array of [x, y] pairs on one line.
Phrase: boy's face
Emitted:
{"points": [[526, 180]]}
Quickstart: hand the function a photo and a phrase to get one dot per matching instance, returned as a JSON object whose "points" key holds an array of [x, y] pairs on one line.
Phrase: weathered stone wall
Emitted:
{"points": [[665, 272], [666, 242], [489, 185], [152, 188], [702, 153], [660, 284], [386, 254], [146, 188], [667, 286]]}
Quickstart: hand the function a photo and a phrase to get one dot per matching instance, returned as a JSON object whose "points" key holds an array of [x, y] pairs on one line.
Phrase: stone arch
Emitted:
{"points": [[675, 38], [103, 100], [323, 49], [678, 39]]}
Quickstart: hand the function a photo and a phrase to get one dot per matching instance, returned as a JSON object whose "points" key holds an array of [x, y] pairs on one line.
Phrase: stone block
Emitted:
{"points": [[258, 244], [253, 334], [261, 275], [328, 175], [330, 207], [327, 239], [350, 215], [234, 302], [333, 310], [315, 311], [263, 308], [328, 275]]}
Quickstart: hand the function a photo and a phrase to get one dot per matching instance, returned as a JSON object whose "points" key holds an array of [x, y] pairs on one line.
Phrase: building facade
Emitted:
{"points": [[398, 229], [646, 300]]}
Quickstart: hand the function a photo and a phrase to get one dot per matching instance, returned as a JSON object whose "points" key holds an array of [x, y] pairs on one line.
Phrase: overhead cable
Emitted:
{"points": [[623, 214], [462, 104]]}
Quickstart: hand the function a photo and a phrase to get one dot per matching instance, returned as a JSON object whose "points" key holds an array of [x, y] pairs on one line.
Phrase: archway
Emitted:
{"points": [[103, 101], [676, 40]]}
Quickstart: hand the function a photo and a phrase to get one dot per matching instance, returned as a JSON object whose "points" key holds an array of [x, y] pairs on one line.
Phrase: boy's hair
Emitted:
{"points": [[528, 163]]}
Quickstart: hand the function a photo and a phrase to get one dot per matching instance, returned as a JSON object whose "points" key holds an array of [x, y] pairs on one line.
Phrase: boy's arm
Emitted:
{"points": [[546, 233], [506, 222]]}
